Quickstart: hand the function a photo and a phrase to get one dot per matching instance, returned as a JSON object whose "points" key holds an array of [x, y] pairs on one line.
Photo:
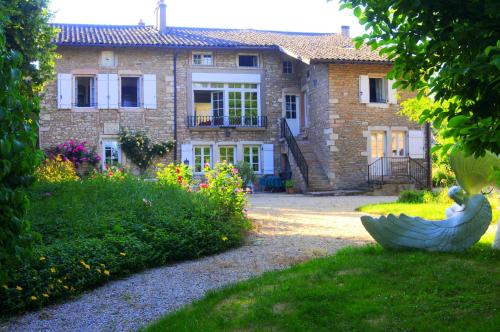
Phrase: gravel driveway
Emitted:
{"points": [[288, 229]]}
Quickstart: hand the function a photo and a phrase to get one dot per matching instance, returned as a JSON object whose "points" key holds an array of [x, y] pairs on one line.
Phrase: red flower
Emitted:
{"points": [[179, 179], [177, 170], [110, 174], [204, 185]]}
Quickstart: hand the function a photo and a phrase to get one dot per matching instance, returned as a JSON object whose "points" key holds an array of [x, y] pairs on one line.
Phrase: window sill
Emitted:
{"points": [[378, 105], [85, 110]]}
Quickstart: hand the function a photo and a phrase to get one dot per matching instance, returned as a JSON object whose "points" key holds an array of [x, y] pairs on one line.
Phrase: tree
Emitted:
{"points": [[447, 49], [26, 62]]}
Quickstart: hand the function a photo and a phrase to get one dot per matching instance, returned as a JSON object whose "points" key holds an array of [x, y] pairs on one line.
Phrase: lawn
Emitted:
{"points": [[358, 289], [100, 229], [430, 211]]}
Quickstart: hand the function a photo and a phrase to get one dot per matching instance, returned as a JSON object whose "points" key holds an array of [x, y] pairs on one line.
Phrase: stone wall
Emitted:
{"points": [[92, 124], [350, 122]]}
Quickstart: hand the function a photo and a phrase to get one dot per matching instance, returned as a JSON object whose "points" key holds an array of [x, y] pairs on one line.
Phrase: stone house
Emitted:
{"points": [[305, 104]]}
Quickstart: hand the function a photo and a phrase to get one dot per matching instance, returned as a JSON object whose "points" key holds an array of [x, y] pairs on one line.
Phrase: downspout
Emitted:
{"points": [[428, 163], [175, 106]]}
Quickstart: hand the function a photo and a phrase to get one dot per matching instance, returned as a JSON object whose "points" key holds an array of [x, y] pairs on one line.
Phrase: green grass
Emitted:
{"points": [[358, 289], [430, 211]]}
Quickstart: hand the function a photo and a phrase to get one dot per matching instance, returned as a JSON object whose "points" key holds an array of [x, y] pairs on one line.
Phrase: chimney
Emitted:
{"points": [[162, 12], [345, 31]]}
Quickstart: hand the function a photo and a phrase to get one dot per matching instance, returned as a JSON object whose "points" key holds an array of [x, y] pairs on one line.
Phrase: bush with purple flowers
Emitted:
{"points": [[76, 152]]}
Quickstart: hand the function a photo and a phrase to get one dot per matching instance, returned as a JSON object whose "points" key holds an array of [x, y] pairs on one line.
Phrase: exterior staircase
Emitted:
{"points": [[305, 159], [318, 181]]}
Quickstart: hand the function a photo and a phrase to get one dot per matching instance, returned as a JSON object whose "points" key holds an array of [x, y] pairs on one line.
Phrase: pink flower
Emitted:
{"points": [[235, 171], [203, 185]]}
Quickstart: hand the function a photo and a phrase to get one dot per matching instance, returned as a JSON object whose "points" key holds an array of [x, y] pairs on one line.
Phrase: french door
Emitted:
{"points": [[378, 150]]}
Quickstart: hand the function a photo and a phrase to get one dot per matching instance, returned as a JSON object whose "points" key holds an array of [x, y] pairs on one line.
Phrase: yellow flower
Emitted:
{"points": [[53, 269], [33, 298], [45, 295], [106, 272], [123, 254], [19, 288], [42, 259], [5, 286], [87, 266], [98, 270], [103, 265], [66, 287], [224, 238]]}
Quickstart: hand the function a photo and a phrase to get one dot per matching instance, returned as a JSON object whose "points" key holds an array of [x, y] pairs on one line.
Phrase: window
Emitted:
{"points": [[251, 155], [291, 106], [85, 91], [226, 153], [130, 91], [230, 104], [287, 67], [398, 144], [202, 157], [378, 90], [248, 61], [202, 59], [111, 153]]}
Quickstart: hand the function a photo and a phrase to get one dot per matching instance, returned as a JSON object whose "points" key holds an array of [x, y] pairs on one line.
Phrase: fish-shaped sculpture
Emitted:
{"points": [[467, 221]]}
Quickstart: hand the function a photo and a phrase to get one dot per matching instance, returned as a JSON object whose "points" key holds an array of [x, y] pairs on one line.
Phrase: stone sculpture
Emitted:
{"points": [[467, 220]]}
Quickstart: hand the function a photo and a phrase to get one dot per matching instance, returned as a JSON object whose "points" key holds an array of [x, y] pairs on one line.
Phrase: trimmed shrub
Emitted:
{"points": [[411, 196], [107, 227]]}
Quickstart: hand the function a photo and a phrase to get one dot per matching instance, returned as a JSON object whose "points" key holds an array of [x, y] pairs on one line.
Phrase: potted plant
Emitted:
{"points": [[290, 186], [247, 175]]}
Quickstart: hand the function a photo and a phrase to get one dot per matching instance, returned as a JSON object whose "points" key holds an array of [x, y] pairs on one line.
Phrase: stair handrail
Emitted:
{"points": [[287, 134], [417, 172]]}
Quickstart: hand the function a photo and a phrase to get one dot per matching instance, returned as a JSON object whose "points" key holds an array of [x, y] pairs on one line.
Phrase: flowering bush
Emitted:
{"points": [[116, 173], [224, 184], [75, 152], [141, 151], [112, 229], [56, 170], [175, 174]]}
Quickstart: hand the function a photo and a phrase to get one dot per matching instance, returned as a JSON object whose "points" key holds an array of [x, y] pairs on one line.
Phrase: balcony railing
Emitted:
{"points": [[227, 121]]}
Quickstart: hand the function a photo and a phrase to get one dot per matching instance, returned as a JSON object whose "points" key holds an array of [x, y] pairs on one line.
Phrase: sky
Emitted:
{"points": [[281, 15]]}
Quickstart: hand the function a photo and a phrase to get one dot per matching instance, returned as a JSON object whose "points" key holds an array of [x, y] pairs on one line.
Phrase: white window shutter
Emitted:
{"points": [[64, 91], [149, 91], [391, 92], [113, 91], [416, 144], [102, 91], [268, 158], [364, 89], [187, 154]]}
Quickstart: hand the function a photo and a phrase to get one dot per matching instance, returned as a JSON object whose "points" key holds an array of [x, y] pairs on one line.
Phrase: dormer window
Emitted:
{"points": [[202, 59]]}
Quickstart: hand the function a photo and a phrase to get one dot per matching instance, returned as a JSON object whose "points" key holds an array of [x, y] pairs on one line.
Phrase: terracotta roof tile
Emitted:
{"points": [[305, 46]]}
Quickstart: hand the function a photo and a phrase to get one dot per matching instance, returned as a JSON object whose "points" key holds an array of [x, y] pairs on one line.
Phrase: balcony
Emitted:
{"points": [[208, 122]]}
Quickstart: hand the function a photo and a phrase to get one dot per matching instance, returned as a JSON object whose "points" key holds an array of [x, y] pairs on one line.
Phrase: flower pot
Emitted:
{"points": [[290, 190]]}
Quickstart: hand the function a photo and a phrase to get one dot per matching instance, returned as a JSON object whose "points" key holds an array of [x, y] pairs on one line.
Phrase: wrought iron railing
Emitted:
{"points": [[385, 168], [287, 134], [227, 121]]}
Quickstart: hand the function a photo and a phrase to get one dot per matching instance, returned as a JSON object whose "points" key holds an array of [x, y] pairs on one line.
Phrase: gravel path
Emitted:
{"points": [[288, 229]]}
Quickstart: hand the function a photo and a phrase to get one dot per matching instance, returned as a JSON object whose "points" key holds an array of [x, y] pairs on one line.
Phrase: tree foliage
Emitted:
{"points": [[447, 49], [26, 61]]}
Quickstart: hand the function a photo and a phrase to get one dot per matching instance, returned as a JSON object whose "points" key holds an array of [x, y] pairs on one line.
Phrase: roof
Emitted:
{"points": [[308, 47]]}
